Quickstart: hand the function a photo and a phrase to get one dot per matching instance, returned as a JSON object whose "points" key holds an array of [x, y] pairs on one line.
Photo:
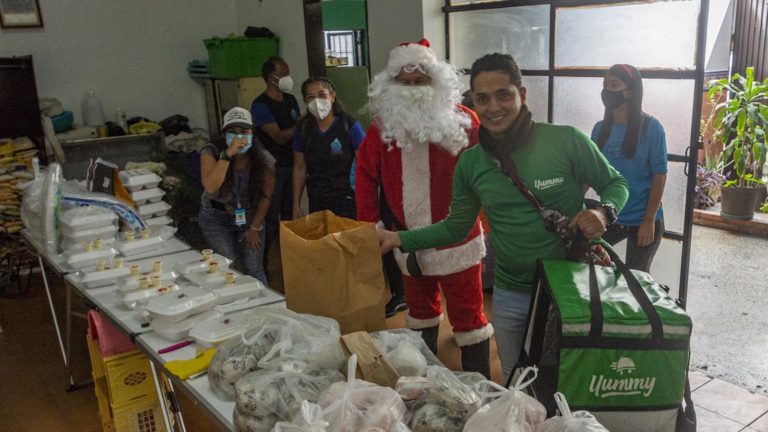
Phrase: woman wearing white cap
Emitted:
{"points": [[238, 180]]}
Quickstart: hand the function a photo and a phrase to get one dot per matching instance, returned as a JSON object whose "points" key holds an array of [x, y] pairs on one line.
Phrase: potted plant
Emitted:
{"points": [[741, 123]]}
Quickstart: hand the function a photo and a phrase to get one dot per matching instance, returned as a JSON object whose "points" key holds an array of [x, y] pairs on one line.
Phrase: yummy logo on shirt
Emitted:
{"points": [[548, 183]]}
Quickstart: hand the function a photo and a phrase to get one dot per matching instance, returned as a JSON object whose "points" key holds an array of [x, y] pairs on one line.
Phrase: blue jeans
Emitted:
{"points": [[226, 238], [510, 318]]}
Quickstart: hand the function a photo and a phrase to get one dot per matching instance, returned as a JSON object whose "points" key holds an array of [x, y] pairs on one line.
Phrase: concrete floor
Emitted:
{"points": [[728, 303]]}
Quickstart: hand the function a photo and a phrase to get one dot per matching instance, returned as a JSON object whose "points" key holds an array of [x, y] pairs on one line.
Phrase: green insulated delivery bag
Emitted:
{"points": [[613, 342]]}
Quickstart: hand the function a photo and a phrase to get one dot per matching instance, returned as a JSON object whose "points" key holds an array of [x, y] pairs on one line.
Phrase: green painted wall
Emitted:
{"points": [[343, 14], [351, 89]]}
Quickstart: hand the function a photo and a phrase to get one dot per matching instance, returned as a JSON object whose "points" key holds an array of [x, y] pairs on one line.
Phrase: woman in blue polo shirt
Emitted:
{"points": [[324, 147], [635, 144]]}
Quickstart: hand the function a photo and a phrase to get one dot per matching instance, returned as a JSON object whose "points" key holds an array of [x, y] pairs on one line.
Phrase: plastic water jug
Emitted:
{"points": [[93, 113]]}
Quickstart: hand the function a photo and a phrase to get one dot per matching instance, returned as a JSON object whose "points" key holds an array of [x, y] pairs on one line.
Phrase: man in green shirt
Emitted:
{"points": [[554, 162]]}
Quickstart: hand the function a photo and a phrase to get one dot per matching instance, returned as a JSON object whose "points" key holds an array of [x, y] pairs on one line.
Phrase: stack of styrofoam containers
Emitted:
{"points": [[143, 187], [87, 234]]}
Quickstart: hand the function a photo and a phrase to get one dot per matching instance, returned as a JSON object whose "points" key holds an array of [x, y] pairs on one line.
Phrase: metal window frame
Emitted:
{"points": [[696, 74]]}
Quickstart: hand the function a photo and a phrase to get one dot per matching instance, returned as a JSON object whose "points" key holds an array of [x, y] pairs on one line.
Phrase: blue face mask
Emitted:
{"points": [[229, 137]]}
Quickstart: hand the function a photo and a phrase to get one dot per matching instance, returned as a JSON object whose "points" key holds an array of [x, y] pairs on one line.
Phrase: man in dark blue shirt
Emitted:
{"points": [[275, 113]]}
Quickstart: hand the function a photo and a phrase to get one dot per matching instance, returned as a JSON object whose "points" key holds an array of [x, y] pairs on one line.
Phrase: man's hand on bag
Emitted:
{"points": [[591, 222], [388, 240]]}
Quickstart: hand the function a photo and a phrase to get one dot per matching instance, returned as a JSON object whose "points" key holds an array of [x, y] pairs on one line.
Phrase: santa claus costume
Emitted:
{"points": [[410, 151]]}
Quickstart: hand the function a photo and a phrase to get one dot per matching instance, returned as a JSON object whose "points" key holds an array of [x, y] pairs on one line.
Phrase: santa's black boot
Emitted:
{"points": [[429, 334], [475, 358]]}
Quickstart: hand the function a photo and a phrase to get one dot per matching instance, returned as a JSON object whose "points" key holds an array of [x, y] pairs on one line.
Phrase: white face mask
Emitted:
{"points": [[285, 84], [320, 108]]}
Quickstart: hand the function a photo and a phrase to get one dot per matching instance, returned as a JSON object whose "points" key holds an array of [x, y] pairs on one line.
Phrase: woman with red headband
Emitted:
{"points": [[634, 143]]}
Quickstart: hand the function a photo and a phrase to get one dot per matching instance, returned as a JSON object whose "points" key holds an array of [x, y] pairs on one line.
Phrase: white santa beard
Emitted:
{"points": [[405, 120]]}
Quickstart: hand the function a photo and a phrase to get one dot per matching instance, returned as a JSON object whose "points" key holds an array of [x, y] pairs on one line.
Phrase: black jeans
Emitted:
{"points": [[638, 258]]}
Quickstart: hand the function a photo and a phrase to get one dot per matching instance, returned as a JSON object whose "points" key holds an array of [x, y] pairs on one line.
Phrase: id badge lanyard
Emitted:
{"points": [[239, 210]]}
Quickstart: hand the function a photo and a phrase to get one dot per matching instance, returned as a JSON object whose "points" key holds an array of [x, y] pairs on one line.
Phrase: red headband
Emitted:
{"points": [[628, 70]]}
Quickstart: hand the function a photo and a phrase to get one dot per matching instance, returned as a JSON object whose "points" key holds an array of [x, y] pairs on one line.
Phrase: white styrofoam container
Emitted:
{"points": [[100, 278], [212, 332], [158, 221], [177, 331], [244, 287], [201, 265], [68, 245], [86, 235], [181, 304], [139, 245], [85, 218], [143, 196], [138, 297], [155, 209], [130, 283], [138, 179], [78, 260]]}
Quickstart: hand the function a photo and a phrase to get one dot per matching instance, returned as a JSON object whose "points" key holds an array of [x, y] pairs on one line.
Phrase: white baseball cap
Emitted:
{"points": [[237, 117]]}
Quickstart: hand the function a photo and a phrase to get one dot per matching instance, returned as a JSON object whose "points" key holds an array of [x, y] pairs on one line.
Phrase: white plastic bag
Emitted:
{"points": [[276, 338], [32, 209], [357, 405], [406, 351], [269, 396], [237, 357], [513, 411], [303, 338], [448, 400], [579, 421], [309, 419]]}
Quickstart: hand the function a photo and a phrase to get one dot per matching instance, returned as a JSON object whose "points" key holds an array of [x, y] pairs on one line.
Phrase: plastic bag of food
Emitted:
{"points": [[448, 400], [406, 351], [271, 396], [309, 419], [237, 357], [303, 338], [512, 411], [357, 405], [579, 421]]}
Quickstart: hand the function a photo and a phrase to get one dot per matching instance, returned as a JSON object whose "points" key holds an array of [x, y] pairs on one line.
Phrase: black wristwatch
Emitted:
{"points": [[224, 156], [610, 212]]}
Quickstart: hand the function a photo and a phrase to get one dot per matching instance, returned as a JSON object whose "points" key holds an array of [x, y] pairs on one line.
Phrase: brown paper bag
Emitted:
{"points": [[372, 365], [332, 267]]}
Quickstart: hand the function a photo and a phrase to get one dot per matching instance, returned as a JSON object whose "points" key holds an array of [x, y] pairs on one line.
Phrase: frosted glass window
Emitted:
{"points": [[671, 101], [658, 34], [522, 32], [537, 95], [577, 103], [673, 199]]}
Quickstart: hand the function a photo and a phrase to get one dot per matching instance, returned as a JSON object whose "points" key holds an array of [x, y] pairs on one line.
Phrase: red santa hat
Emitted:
{"points": [[411, 56]]}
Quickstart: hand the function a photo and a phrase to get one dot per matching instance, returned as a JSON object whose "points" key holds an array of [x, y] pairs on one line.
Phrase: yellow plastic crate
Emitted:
{"points": [[97, 362], [102, 399], [142, 415], [129, 377]]}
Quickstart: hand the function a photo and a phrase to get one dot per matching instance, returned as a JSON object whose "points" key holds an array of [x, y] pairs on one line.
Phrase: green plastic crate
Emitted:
{"points": [[239, 57]]}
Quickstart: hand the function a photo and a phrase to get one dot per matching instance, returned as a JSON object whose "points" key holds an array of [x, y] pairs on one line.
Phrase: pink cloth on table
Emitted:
{"points": [[111, 341]]}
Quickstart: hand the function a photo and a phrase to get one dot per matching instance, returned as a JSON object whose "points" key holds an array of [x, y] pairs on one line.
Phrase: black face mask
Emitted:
{"points": [[612, 99]]}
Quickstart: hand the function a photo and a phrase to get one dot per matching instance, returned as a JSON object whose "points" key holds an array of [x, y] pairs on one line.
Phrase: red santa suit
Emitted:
{"points": [[417, 185]]}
